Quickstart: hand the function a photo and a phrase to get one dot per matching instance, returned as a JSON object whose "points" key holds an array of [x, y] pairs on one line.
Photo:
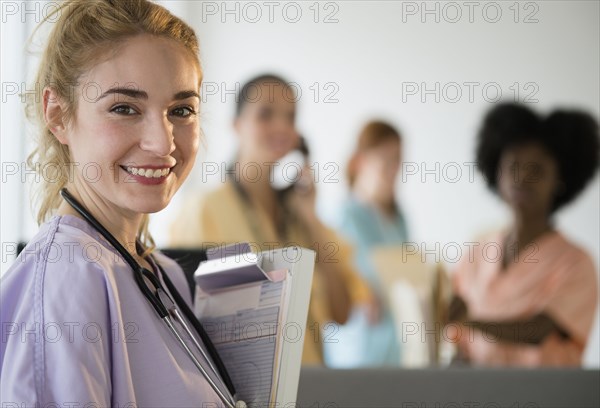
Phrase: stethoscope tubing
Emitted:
{"points": [[158, 303], [228, 400]]}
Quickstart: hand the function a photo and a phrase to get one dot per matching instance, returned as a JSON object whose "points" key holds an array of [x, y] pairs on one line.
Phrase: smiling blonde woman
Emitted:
{"points": [[118, 103]]}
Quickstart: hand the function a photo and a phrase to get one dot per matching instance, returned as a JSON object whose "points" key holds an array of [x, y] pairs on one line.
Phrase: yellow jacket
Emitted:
{"points": [[222, 217]]}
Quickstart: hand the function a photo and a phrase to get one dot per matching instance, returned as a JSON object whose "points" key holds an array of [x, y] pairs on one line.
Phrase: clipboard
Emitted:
{"points": [[254, 307]]}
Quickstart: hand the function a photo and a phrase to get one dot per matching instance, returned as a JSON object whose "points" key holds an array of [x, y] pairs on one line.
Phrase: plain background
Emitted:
{"points": [[430, 68]]}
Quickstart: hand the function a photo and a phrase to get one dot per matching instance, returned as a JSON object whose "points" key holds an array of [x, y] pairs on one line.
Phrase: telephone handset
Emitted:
{"points": [[287, 174]]}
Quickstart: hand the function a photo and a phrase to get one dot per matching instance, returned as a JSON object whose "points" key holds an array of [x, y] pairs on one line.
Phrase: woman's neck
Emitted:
{"points": [[123, 225], [367, 196], [525, 230], [528, 227], [254, 177]]}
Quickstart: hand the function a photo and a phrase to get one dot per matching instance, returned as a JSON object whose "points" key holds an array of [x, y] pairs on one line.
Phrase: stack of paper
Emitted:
{"points": [[417, 296], [254, 308]]}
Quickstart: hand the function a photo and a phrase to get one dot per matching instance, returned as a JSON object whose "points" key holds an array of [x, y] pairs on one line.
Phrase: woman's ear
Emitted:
{"points": [[359, 161], [54, 114], [236, 124]]}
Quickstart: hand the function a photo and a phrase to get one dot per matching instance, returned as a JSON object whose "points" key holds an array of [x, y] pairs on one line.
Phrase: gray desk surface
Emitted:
{"points": [[448, 388]]}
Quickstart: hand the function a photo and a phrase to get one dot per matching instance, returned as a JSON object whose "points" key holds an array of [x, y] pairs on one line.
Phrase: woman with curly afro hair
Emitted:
{"points": [[526, 296]]}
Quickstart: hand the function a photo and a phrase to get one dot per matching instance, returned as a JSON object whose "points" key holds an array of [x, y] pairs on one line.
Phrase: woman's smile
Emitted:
{"points": [[148, 174]]}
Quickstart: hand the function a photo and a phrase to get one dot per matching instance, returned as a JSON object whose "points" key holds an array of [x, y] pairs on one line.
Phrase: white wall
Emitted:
{"points": [[16, 68], [371, 58]]}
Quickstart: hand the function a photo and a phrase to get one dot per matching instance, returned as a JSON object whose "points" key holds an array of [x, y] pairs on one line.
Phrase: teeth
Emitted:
{"points": [[150, 173]]}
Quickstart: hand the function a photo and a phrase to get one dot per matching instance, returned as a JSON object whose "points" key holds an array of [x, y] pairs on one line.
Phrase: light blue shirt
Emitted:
{"points": [[360, 344], [76, 330]]}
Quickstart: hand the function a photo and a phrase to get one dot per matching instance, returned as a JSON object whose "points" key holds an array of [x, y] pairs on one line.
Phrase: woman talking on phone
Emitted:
{"points": [[91, 314], [246, 207]]}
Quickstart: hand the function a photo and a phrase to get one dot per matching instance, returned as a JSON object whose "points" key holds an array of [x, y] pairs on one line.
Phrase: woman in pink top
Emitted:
{"points": [[527, 296]]}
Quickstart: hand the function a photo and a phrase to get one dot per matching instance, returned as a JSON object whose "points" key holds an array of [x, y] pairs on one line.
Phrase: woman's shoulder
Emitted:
{"points": [[66, 250], [485, 245], [200, 215], [63, 274], [358, 223], [558, 238], [354, 215], [210, 200], [352, 207], [215, 194], [559, 244], [553, 246]]}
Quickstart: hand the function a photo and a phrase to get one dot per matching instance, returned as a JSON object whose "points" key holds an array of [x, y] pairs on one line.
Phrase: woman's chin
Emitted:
{"points": [[276, 154], [149, 207], [153, 210], [524, 207]]}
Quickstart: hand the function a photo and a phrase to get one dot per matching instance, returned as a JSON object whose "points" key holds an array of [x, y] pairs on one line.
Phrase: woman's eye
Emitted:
{"points": [[124, 110], [183, 111]]}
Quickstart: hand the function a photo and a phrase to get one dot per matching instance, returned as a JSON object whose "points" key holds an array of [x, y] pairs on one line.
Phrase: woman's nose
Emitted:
{"points": [[158, 136]]}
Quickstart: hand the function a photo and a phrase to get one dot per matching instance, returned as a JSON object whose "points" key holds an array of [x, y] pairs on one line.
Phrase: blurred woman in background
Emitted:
{"points": [[526, 296], [248, 208], [371, 217]]}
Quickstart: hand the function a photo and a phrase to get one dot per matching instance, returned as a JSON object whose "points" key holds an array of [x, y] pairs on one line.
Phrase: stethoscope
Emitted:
{"points": [[168, 309]]}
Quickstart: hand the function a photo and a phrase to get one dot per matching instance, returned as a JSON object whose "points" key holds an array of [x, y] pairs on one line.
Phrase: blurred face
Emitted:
{"points": [[379, 167], [266, 125], [135, 133], [528, 178]]}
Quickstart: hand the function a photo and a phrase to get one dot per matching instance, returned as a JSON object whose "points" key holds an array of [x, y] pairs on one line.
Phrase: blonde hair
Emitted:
{"points": [[84, 32]]}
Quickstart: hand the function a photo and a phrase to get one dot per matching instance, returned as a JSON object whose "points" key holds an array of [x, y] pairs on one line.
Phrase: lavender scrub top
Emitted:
{"points": [[77, 331]]}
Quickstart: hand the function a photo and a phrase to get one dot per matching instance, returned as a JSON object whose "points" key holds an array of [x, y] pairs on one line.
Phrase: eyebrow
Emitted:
{"points": [[137, 94], [132, 93], [186, 94]]}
